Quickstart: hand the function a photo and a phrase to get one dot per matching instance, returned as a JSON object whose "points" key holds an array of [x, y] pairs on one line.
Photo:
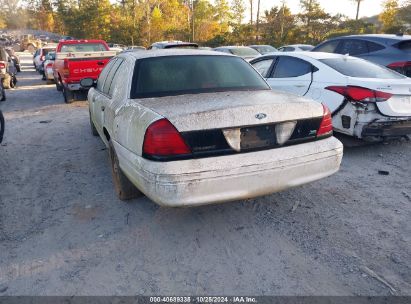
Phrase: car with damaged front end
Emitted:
{"points": [[192, 127]]}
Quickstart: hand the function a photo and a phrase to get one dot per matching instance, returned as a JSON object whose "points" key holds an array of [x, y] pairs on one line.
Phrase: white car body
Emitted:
{"points": [[40, 57], [48, 70], [390, 117], [123, 122]]}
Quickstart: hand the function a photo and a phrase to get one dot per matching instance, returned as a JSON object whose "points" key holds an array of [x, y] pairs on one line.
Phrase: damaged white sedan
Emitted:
{"points": [[190, 127]]}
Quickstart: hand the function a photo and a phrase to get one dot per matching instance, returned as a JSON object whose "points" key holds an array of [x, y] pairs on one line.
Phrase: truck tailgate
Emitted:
{"points": [[82, 65]]}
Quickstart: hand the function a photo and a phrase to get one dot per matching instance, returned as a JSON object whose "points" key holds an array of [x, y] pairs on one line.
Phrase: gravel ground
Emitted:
{"points": [[64, 232]]}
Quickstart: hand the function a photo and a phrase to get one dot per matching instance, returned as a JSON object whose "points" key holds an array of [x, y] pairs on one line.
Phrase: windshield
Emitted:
{"points": [[244, 52], [83, 47], [177, 75], [355, 67], [264, 49]]}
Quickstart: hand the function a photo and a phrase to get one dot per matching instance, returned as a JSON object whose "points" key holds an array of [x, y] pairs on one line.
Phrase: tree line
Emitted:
{"points": [[212, 23]]}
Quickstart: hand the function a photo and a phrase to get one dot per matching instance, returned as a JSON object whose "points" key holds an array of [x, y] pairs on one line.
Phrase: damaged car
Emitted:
{"points": [[367, 101], [192, 127]]}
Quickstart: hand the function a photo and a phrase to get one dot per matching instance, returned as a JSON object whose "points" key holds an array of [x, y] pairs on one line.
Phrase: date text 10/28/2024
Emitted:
{"points": [[205, 299]]}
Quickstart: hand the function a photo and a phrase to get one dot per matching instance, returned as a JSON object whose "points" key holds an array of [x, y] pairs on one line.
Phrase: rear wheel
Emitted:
{"points": [[1, 126], [13, 81], [59, 86], [68, 95], [124, 188], [2, 92]]}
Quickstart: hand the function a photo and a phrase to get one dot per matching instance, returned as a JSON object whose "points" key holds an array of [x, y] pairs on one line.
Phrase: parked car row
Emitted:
{"points": [[8, 70]]}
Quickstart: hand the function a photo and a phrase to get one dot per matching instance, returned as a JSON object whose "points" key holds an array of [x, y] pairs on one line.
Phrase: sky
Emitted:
{"points": [[347, 7]]}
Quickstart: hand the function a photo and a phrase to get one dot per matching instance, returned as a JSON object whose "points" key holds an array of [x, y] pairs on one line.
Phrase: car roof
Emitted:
{"points": [[257, 45], [377, 37], [313, 55], [232, 47], [172, 52]]}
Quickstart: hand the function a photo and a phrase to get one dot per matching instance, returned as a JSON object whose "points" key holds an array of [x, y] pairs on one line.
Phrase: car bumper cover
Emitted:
{"points": [[226, 178]]}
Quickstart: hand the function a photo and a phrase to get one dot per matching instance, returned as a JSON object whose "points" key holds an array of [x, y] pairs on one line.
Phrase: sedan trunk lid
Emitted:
{"points": [[232, 109]]}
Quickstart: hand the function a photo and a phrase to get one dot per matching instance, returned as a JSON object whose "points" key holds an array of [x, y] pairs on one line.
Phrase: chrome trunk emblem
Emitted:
{"points": [[260, 116]]}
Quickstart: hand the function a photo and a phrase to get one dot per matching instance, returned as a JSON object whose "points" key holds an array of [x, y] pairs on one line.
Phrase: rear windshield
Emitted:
{"points": [[264, 49], [83, 47], [177, 75], [405, 46], [306, 47], [46, 51], [244, 52], [355, 67], [181, 46]]}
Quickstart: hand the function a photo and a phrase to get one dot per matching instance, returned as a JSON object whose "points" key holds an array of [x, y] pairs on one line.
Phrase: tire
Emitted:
{"points": [[93, 127], [59, 86], [49, 81], [2, 126], [7, 81], [13, 81], [68, 95], [2, 93], [124, 188]]}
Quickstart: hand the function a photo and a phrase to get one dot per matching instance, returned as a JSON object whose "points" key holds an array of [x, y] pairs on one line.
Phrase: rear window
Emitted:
{"points": [[405, 46], [83, 47], [177, 75], [264, 49], [244, 52], [355, 67], [306, 47]]}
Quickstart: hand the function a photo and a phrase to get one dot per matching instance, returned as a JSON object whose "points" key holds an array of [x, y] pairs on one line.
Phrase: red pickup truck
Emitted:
{"points": [[78, 59]]}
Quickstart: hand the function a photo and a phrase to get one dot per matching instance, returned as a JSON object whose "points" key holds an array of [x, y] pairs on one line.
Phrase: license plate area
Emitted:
{"points": [[257, 137]]}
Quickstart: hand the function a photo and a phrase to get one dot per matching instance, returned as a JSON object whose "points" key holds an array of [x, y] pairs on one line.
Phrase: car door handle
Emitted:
{"points": [[300, 86], [100, 63], [103, 108]]}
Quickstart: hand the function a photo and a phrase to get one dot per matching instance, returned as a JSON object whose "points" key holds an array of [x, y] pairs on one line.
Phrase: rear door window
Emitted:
{"points": [[263, 66], [287, 67], [103, 75], [110, 75], [405, 46], [374, 47], [353, 47]]}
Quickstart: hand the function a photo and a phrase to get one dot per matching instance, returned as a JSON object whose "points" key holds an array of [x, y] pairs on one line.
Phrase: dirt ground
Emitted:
{"points": [[64, 232]]}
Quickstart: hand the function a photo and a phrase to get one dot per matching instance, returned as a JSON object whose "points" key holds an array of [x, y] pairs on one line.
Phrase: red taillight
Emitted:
{"points": [[400, 67], [326, 126], [163, 139], [49, 65], [360, 94], [66, 71], [400, 64], [2, 65]]}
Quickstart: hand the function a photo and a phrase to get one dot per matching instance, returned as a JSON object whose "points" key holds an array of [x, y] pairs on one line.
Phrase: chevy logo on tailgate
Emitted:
{"points": [[88, 70]]}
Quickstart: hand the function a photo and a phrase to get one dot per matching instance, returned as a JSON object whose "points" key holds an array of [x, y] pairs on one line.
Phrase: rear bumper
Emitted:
{"points": [[387, 129], [232, 177]]}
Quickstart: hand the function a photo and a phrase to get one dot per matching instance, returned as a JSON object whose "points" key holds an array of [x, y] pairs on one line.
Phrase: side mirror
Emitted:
{"points": [[87, 83]]}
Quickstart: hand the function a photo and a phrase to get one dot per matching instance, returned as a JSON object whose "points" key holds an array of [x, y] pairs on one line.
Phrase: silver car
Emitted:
{"points": [[191, 127]]}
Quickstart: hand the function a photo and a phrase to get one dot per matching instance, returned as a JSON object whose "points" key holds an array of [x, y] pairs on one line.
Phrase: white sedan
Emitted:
{"points": [[367, 101], [191, 127]]}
